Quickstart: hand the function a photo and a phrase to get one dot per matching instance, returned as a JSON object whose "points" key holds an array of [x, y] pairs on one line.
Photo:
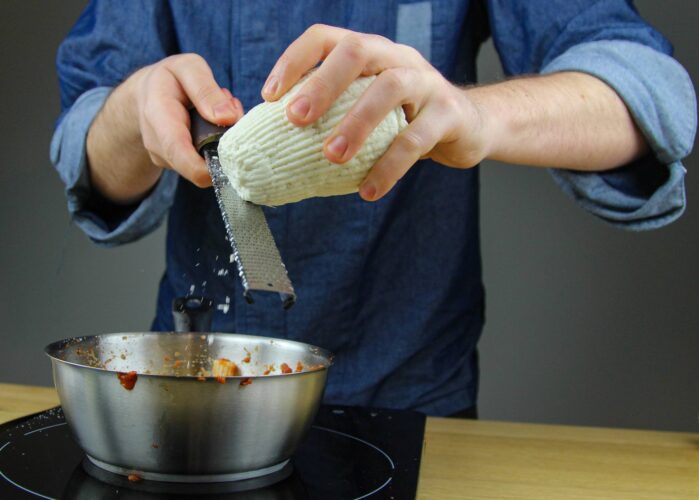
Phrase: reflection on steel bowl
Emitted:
{"points": [[188, 407]]}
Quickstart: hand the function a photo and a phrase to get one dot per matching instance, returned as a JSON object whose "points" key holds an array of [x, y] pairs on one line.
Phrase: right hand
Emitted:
{"points": [[162, 93]]}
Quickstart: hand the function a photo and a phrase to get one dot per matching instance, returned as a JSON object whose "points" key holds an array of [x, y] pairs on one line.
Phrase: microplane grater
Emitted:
{"points": [[256, 255]]}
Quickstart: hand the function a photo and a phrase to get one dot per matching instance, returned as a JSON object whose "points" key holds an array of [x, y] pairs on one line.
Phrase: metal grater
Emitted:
{"points": [[259, 263]]}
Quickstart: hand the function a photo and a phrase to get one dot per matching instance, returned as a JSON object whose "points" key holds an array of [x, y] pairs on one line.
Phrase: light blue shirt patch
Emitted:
{"points": [[414, 27]]}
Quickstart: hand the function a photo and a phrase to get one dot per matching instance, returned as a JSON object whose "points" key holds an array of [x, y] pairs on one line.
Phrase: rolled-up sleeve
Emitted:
{"points": [[107, 43], [609, 40], [117, 225], [648, 193]]}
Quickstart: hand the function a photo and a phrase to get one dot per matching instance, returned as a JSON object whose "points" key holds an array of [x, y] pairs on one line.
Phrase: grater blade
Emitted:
{"points": [[259, 263]]}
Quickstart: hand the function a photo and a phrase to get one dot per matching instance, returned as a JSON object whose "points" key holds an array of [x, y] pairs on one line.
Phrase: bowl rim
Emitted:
{"points": [[52, 349]]}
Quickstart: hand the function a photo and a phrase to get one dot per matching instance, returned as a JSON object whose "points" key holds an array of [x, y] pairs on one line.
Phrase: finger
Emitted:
{"points": [[409, 146], [198, 176], [393, 87], [300, 57], [349, 59], [318, 42], [170, 140], [158, 160], [236, 102], [197, 80]]}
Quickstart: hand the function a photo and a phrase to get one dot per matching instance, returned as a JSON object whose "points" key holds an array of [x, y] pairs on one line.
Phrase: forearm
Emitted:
{"points": [[119, 165], [566, 120], [144, 127]]}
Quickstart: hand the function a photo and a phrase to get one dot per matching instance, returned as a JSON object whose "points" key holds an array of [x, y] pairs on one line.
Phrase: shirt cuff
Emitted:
{"points": [[659, 94], [108, 225]]}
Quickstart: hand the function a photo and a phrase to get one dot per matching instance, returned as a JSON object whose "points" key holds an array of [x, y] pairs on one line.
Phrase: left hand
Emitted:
{"points": [[444, 123]]}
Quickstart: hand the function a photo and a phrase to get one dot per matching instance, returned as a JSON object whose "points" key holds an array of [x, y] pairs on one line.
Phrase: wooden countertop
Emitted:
{"points": [[500, 460]]}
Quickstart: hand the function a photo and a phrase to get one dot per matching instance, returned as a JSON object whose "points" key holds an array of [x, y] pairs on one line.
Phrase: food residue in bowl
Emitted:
{"points": [[88, 357], [128, 379], [223, 368], [188, 363]]}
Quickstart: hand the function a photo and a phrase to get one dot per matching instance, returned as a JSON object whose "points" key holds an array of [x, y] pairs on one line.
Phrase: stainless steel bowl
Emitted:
{"points": [[175, 425]]}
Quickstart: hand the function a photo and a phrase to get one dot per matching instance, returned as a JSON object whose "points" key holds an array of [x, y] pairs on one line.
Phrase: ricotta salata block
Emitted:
{"points": [[270, 161]]}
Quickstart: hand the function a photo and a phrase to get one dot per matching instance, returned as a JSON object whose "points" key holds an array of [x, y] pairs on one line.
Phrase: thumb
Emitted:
{"points": [[197, 80]]}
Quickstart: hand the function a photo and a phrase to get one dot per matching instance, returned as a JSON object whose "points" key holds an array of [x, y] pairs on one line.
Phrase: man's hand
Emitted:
{"points": [[444, 124], [144, 127], [568, 120]]}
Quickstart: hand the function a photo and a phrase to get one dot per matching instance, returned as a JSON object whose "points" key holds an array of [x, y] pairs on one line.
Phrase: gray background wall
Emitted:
{"points": [[586, 324]]}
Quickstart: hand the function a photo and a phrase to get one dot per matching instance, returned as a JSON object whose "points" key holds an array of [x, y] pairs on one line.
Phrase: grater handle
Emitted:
{"points": [[204, 132]]}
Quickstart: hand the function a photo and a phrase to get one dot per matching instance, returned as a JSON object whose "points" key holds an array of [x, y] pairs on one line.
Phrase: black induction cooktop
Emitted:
{"points": [[350, 453]]}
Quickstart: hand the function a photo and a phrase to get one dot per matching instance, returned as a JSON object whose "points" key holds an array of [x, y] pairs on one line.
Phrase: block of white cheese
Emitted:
{"points": [[270, 161]]}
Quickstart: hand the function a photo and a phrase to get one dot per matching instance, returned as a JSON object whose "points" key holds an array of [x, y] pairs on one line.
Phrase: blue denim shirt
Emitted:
{"points": [[392, 287]]}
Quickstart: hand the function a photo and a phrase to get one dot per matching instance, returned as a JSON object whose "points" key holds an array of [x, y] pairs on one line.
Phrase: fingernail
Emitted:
{"points": [[238, 105], [227, 92], [223, 109], [338, 146], [271, 86], [300, 107], [368, 191]]}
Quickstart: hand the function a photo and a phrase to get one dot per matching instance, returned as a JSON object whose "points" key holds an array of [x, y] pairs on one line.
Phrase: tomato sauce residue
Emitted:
{"points": [[134, 478], [245, 381], [299, 366], [127, 380], [285, 369], [223, 368]]}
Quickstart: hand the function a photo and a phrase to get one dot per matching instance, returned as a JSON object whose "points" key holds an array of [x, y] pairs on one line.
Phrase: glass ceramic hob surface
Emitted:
{"points": [[350, 453]]}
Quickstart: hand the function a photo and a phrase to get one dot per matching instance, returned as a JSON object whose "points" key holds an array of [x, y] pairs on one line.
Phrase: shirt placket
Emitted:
{"points": [[255, 48]]}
